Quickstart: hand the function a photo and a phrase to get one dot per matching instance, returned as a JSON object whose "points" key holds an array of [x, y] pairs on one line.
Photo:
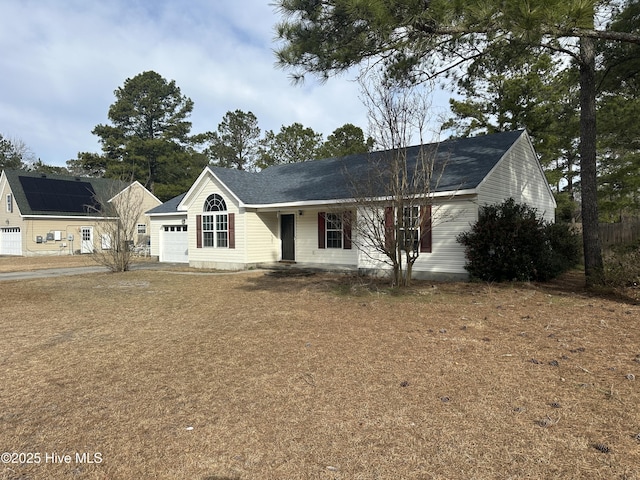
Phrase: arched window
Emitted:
{"points": [[215, 203], [215, 226]]}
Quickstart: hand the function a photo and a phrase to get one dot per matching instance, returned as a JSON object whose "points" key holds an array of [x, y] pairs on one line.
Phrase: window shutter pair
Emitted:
{"points": [[425, 228], [346, 230], [231, 217]]}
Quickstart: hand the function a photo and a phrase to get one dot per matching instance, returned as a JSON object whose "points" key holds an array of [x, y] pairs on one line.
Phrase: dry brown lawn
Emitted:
{"points": [[20, 264], [173, 375]]}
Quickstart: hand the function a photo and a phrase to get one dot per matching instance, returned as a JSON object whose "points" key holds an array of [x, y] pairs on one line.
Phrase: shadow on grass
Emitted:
{"points": [[352, 285], [340, 283], [290, 280], [574, 283]]}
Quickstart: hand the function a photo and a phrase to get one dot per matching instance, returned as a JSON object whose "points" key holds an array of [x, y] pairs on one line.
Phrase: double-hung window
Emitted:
{"points": [[334, 230], [414, 231], [215, 223], [410, 228]]}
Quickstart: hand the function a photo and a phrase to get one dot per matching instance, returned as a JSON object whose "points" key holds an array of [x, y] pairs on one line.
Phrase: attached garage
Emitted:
{"points": [[174, 244], [10, 241]]}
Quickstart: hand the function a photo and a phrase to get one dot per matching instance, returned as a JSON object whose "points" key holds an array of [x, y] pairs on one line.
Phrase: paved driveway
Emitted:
{"points": [[59, 272]]}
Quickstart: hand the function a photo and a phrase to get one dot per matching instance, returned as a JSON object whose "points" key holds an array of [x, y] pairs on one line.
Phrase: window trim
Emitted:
{"points": [[9, 203], [215, 227], [425, 227], [337, 233], [211, 230], [346, 228], [413, 219], [215, 203]]}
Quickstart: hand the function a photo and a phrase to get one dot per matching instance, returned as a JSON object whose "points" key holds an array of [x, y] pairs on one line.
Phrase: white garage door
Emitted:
{"points": [[174, 244], [10, 241]]}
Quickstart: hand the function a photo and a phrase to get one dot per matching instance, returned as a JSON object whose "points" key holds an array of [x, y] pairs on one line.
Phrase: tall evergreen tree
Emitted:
{"points": [[236, 142], [291, 144], [346, 140], [148, 138], [419, 39], [514, 87], [619, 123], [14, 154]]}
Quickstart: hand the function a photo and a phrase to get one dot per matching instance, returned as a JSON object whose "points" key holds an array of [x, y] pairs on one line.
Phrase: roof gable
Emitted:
{"points": [[136, 185]]}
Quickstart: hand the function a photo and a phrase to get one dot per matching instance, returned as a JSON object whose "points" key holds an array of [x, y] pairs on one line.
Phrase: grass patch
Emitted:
{"points": [[270, 376]]}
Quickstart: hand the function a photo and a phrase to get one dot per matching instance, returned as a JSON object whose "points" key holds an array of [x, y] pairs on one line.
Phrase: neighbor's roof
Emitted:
{"points": [[49, 194], [460, 164]]}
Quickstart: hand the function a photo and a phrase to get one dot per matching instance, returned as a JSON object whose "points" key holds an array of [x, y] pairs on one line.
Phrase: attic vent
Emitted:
{"points": [[43, 175], [78, 179]]}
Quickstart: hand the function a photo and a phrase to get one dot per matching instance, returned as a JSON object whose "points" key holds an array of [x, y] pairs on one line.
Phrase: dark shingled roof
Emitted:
{"points": [[50, 194], [464, 163], [170, 206]]}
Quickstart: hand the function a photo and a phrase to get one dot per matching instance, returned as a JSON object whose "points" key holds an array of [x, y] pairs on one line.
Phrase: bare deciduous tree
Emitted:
{"points": [[117, 230], [394, 196]]}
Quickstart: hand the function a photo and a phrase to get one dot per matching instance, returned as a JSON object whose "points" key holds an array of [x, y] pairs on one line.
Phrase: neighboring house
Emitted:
{"points": [[48, 214], [304, 212]]}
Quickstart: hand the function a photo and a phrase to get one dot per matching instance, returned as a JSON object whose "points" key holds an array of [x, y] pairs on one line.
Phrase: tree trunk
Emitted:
{"points": [[590, 230]]}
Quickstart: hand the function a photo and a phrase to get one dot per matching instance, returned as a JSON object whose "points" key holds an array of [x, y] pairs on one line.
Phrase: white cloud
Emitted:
{"points": [[63, 59]]}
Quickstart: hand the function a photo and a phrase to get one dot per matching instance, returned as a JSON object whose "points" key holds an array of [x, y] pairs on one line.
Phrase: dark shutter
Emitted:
{"points": [[425, 229], [321, 230], [346, 230], [199, 231], [232, 230], [389, 234]]}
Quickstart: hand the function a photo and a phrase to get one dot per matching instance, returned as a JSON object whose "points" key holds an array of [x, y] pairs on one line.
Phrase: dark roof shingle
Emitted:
{"points": [[463, 164], [460, 164]]}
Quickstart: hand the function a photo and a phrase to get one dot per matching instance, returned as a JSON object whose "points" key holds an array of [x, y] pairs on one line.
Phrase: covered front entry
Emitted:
{"points": [[287, 237], [10, 241]]}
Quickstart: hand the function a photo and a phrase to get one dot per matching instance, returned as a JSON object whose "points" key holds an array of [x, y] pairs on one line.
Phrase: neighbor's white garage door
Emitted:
{"points": [[174, 244], [10, 241]]}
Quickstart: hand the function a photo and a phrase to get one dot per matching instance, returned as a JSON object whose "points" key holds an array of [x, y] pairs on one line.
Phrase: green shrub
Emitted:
{"points": [[565, 246], [509, 242]]}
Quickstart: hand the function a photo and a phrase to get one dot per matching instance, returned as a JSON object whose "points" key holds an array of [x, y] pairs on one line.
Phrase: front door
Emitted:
{"points": [[287, 236], [86, 235]]}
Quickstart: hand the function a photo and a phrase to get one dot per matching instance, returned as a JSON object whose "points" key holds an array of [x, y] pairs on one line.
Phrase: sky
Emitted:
{"points": [[62, 60]]}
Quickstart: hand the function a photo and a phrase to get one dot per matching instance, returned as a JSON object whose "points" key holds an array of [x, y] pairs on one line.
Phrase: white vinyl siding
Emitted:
{"points": [[157, 223], [519, 176], [207, 257], [447, 256], [307, 250], [262, 242]]}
